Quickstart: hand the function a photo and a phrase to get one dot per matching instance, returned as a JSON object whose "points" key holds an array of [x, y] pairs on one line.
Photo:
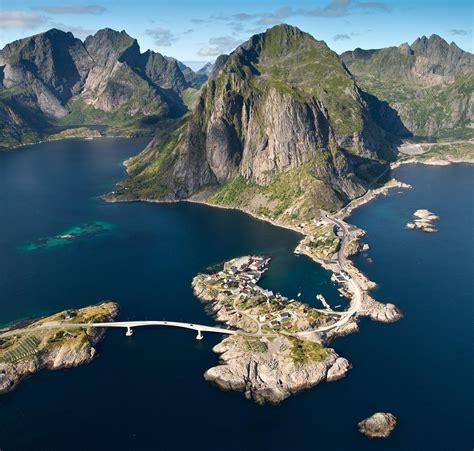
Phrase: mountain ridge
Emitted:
{"points": [[430, 83], [283, 109], [54, 79]]}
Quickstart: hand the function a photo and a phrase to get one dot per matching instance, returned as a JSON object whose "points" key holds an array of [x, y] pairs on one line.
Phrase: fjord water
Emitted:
{"points": [[147, 391]]}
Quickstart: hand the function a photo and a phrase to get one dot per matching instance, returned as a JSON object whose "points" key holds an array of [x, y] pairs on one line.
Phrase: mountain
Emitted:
{"points": [[430, 83], [280, 129], [54, 79], [194, 79]]}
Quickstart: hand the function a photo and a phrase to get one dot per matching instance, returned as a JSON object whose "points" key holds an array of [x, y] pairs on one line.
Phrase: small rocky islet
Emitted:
{"points": [[423, 221], [378, 425]]}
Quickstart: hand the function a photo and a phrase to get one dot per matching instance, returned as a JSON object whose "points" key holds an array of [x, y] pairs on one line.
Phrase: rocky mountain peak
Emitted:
{"points": [[55, 58], [282, 107], [107, 46]]}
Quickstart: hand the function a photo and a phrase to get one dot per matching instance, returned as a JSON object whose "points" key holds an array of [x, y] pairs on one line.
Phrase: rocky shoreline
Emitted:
{"points": [[272, 375], [24, 352], [282, 348], [445, 161]]}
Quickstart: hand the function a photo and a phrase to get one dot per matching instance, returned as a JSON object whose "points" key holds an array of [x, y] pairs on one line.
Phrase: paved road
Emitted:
{"points": [[124, 324], [345, 316], [356, 301]]}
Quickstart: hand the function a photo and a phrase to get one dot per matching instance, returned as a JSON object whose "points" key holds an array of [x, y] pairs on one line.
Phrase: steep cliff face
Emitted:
{"points": [[430, 83], [281, 109], [58, 80], [163, 71], [122, 78], [14, 125], [56, 58]]}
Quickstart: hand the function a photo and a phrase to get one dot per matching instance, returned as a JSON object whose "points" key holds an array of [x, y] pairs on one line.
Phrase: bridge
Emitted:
{"points": [[344, 316], [129, 325]]}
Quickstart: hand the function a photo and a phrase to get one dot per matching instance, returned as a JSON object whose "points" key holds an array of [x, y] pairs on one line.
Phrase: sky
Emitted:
{"points": [[197, 31]]}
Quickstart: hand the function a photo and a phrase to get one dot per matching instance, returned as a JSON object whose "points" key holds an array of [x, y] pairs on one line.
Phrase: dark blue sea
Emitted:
{"points": [[147, 392]]}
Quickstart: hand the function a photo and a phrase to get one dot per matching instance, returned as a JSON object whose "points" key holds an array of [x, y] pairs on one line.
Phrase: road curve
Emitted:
{"points": [[345, 316], [356, 301]]}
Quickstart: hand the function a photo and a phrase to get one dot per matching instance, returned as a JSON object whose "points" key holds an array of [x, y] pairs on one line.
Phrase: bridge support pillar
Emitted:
{"points": [[129, 332], [199, 336]]}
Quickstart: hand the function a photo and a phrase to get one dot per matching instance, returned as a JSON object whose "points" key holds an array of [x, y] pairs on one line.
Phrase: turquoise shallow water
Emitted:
{"points": [[69, 236], [147, 391]]}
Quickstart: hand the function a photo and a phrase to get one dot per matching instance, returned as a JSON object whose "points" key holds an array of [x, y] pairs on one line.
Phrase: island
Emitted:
{"points": [[274, 346], [282, 344], [51, 343], [378, 425], [423, 220]]}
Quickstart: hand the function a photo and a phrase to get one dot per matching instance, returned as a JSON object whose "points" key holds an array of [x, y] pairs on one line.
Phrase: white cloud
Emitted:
{"points": [[20, 19], [333, 8], [460, 32], [162, 36], [341, 37], [219, 45], [77, 31], [72, 9]]}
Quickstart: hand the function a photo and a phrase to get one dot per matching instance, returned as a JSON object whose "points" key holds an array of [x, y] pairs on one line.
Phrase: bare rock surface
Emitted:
{"points": [[271, 374], [423, 220], [378, 311], [379, 425], [338, 370]]}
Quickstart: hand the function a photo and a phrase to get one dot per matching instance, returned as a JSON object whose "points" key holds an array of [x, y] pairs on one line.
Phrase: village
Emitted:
{"points": [[240, 301]]}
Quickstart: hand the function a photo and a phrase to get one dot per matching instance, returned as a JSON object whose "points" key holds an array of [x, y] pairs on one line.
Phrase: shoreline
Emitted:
{"points": [[64, 138], [376, 310], [433, 162]]}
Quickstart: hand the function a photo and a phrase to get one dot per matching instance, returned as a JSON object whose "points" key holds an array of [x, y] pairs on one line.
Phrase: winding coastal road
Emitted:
{"points": [[358, 294], [355, 305]]}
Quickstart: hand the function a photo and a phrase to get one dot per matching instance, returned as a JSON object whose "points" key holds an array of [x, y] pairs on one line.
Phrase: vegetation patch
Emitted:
{"points": [[303, 351]]}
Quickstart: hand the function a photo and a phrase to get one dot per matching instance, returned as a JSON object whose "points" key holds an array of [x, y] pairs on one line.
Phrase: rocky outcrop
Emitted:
{"points": [[272, 375], [427, 61], [379, 425], [30, 351], [258, 119], [338, 370], [423, 220], [385, 313]]}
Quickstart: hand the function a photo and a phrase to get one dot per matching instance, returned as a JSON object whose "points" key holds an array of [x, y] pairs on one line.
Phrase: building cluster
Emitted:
{"points": [[240, 279]]}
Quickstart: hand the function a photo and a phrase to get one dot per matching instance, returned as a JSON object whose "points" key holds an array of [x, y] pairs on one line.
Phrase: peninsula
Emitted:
{"points": [[30, 347]]}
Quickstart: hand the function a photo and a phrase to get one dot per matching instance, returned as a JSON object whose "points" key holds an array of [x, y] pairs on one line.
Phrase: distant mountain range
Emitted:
{"points": [[54, 79], [430, 83], [281, 127]]}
